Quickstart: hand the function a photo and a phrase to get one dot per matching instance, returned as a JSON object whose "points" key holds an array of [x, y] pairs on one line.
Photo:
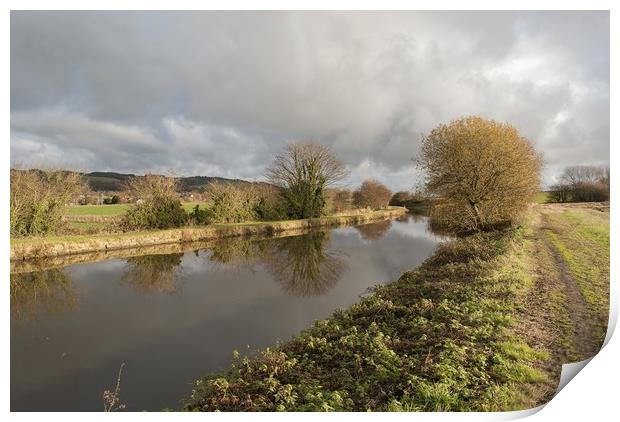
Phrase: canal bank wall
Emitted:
{"points": [[48, 247]]}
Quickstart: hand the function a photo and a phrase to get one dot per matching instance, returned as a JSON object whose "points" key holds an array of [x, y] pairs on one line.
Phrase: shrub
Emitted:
{"points": [[38, 199], [483, 172], [372, 194], [201, 216], [164, 213], [159, 206], [230, 203], [111, 200], [338, 200], [269, 205]]}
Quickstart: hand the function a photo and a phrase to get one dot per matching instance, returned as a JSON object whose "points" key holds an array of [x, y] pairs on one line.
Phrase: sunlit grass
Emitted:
{"points": [[114, 209], [541, 197], [581, 237]]}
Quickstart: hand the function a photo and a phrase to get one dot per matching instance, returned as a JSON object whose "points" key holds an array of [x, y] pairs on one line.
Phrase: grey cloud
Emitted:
{"points": [[218, 93]]}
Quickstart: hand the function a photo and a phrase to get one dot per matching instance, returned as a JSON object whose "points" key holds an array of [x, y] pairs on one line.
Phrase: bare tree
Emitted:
{"points": [[304, 171], [484, 173], [372, 194]]}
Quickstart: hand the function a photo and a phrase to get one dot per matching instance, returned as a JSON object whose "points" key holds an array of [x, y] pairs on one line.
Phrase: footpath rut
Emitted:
{"points": [[584, 339]]}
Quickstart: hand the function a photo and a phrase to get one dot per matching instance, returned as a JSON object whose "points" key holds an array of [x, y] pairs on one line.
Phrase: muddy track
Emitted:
{"points": [[585, 343]]}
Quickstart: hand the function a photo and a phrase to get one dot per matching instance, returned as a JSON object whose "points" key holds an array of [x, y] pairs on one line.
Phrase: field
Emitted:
{"points": [[111, 210], [541, 197]]}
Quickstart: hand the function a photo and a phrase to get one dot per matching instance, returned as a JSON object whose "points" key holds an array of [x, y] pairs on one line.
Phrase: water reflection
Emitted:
{"points": [[237, 251], [303, 266], [374, 231], [153, 273], [414, 217], [50, 292]]}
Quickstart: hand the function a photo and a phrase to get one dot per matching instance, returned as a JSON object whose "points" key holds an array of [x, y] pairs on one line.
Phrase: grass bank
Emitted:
{"points": [[482, 325], [53, 246]]}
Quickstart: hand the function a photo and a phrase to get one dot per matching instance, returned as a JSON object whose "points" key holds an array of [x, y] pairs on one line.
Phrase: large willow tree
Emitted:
{"points": [[304, 171], [482, 173]]}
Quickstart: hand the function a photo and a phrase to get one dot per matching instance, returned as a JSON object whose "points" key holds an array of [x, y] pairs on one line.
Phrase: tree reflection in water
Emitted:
{"points": [[153, 273], [416, 217], [374, 231], [49, 291], [300, 264], [303, 266]]}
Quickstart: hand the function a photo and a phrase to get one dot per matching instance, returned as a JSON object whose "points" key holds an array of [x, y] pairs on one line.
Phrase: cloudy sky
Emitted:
{"points": [[219, 93]]}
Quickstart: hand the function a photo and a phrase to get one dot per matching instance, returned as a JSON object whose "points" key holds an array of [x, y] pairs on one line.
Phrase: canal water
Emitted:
{"points": [[171, 318]]}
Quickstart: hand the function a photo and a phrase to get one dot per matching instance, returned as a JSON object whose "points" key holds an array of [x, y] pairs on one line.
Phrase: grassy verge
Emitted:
{"points": [[442, 338], [581, 237]]}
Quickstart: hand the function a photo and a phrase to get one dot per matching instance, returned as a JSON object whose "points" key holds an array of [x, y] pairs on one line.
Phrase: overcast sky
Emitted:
{"points": [[219, 93]]}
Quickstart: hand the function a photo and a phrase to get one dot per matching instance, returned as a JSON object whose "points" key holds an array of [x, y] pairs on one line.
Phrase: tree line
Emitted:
{"points": [[479, 175], [581, 184], [302, 178]]}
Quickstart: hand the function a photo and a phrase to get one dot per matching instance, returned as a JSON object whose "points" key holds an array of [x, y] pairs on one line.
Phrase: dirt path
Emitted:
{"points": [[553, 315], [584, 341]]}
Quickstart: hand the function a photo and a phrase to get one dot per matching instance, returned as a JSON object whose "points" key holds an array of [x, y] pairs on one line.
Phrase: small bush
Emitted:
{"points": [[160, 214], [338, 200], [201, 216], [111, 200], [229, 203], [159, 206], [270, 205]]}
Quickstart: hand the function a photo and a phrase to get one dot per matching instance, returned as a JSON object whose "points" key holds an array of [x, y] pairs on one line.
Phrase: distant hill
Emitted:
{"points": [[110, 181], [107, 181]]}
